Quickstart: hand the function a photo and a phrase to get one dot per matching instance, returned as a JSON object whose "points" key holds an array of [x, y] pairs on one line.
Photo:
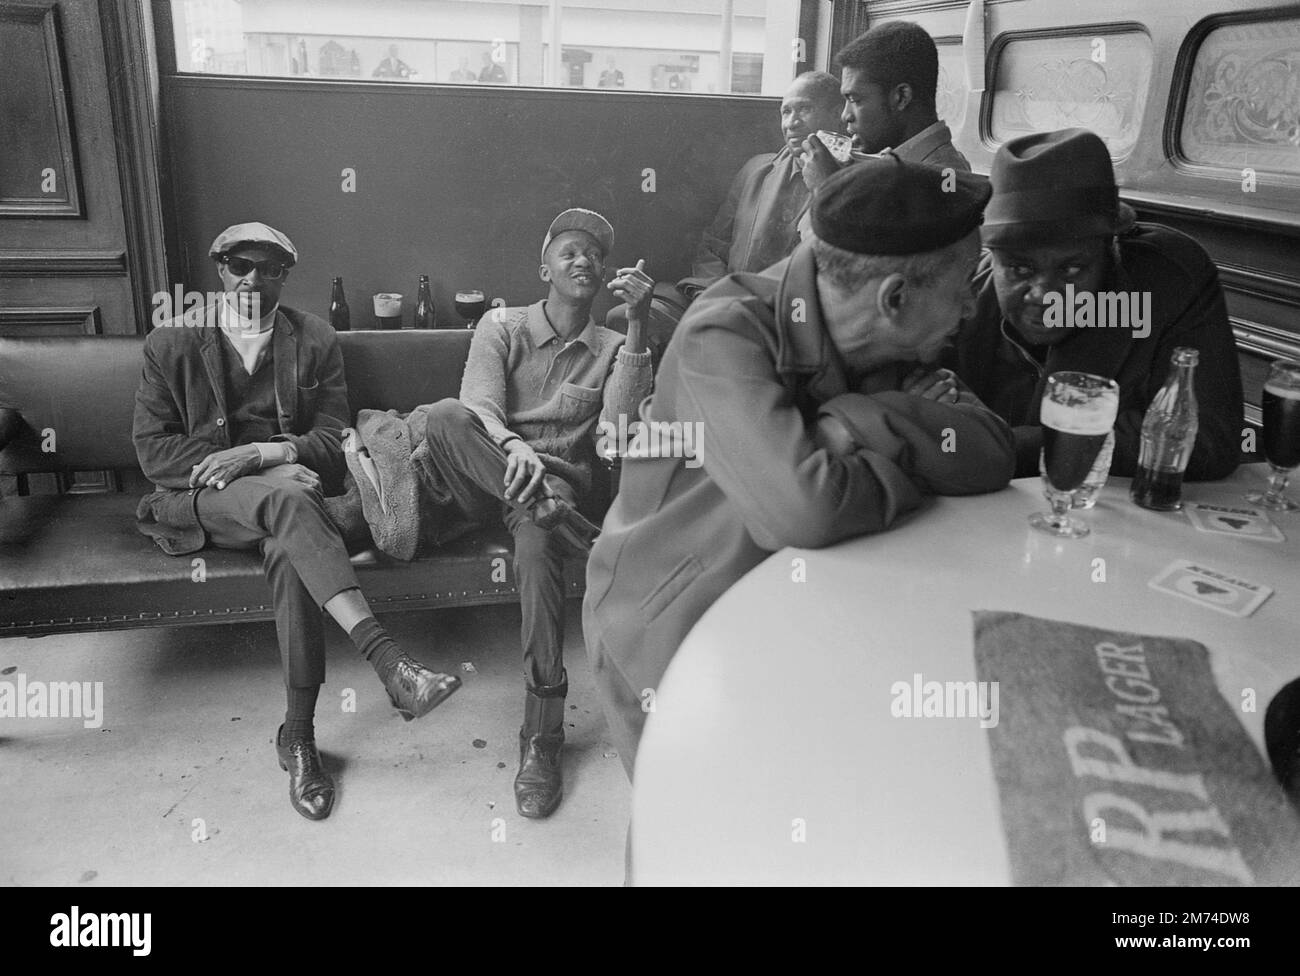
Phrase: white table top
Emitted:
{"points": [[773, 719]]}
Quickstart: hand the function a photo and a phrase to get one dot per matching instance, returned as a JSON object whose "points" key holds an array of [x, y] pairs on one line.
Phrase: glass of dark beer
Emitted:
{"points": [[1280, 405], [1078, 414], [470, 306]]}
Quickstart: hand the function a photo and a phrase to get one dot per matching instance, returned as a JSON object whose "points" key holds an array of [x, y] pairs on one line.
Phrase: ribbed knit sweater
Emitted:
{"points": [[524, 381]]}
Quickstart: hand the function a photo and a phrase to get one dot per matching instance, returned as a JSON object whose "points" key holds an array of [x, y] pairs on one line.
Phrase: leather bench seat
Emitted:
{"points": [[77, 562]]}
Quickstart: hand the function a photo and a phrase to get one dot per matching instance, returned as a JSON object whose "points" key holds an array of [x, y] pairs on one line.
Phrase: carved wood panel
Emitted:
{"points": [[39, 176]]}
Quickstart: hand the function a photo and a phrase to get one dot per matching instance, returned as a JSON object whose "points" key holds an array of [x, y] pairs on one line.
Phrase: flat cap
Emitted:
{"points": [[888, 205], [589, 221], [253, 233]]}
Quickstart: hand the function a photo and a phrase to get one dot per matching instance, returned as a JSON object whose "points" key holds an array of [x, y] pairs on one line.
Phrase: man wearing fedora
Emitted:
{"points": [[238, 421], [821, 418], [520, 443], [1056, 230]]}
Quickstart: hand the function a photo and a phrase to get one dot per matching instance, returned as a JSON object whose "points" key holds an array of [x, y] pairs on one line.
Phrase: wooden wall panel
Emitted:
{"points": [[38, 162]]}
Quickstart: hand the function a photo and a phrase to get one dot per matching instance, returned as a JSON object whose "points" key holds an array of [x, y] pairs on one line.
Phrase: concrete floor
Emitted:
{"points": [[189, 720]]}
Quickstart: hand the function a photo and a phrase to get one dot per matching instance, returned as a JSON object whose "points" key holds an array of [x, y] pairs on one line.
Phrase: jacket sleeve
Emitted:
{"points": [[946, 449], [1202, 325], [166, 451], [483, 387], [753, 444], [714, 249], [320, 447]]}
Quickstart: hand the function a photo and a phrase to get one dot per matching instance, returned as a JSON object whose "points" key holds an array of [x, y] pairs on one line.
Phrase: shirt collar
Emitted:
{"points": [[924, 142], [541, 331]]}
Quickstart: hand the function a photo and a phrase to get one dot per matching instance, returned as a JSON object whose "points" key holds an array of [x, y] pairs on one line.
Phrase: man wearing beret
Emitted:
{"points": [[238, 421], [889, 82], [1073, 282], [820, 418], [519, 445]]}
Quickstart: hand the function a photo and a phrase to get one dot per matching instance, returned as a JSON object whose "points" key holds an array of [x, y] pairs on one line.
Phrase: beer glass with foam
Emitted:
{"points": [[1280, 406], [1077, 415]]}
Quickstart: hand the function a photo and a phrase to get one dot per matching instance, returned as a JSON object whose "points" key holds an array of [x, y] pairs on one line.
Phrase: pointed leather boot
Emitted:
{"points": [[311, 789], [539, 786]]}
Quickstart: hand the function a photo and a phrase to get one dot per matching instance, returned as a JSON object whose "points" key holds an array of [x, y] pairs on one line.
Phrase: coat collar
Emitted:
{"points": [[921, 145], [803, 347]]}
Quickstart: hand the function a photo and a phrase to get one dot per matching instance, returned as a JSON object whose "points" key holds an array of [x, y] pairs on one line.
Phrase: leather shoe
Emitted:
{"points": [[311, 789], [539, 786], [415, 690]]}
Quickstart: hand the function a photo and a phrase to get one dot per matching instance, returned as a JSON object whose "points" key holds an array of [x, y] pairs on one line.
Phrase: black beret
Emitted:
{"points": [[888, 205]]}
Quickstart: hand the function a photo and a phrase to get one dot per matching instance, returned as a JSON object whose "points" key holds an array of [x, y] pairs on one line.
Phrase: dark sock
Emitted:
{"points": [[375, 645], [299, 714]]}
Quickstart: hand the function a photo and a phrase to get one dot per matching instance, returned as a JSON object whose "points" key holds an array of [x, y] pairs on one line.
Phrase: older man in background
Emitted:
{"points": [[757, 224]]}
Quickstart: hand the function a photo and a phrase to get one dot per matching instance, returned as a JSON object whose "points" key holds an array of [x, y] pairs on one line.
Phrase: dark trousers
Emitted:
{"points": [[473, 467], [303, 557]]}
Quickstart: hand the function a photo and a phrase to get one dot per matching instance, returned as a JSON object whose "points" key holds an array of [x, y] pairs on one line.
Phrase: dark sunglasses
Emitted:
{"points": [[272, 270]]}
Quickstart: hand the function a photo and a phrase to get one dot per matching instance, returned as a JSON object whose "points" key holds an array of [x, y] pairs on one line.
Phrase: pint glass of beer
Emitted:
{"points": [[1280, 406], [1077, 416]]}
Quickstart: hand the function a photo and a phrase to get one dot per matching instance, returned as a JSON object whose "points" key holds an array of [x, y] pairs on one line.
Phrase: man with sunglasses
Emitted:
{"points": [[238, 423]]}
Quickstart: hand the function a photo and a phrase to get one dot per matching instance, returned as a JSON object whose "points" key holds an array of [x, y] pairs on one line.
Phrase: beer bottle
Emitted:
{"points": [[1168, 436], [340, 316], [425, 317]]}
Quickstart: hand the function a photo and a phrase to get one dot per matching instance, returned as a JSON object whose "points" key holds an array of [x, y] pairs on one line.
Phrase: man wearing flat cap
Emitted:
{"points": [[238, 421], [1073, 282], [821, 418], [520, 443]]}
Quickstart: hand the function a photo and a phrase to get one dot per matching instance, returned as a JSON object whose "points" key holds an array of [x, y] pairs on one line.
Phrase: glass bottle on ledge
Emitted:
{"points": [[425, 316], [340, 315], [1168, 436]]}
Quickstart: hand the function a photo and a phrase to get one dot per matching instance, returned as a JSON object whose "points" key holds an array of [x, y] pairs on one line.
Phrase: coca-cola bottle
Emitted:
{"points": [[425, 316], [1168, 436], [340, 315]]}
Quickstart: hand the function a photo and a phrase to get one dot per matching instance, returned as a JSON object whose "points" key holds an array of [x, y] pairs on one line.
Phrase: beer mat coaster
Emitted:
{"points": [[1233, 520], [1118, 762]]}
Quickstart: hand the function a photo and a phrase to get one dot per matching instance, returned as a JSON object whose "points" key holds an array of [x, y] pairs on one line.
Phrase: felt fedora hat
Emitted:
{"points": [[1053, 186]]}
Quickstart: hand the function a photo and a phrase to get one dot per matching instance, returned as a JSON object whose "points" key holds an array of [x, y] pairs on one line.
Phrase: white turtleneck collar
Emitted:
{"points": [[249, 338]]}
